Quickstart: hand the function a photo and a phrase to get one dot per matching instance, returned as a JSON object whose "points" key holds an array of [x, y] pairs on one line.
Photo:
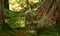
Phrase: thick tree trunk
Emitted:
{"points": [[48, 13]]}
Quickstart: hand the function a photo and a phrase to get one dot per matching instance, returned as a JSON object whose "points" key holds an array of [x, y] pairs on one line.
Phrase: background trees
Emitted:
{"points": [[30, 17]]}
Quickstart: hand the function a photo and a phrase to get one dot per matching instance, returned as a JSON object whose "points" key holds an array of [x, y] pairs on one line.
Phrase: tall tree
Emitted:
{"points": [[48, 13]]}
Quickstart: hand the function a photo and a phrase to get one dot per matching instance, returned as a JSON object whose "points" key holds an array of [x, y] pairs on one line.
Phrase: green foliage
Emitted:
{"points": [[14, 19], [48, 31], [19, 1], [4, 32], [17, 20], [25, 4]]}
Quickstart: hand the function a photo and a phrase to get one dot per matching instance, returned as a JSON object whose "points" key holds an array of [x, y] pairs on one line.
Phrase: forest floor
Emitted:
{"points": [[49, 31], [44, 31]]}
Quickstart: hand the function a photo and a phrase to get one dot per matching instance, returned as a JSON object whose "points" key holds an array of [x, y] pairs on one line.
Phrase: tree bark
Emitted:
{"points": [[1, 12], [48, 13]]}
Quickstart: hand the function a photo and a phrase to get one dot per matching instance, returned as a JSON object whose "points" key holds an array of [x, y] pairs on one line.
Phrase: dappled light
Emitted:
{"points": [[29, 17]]}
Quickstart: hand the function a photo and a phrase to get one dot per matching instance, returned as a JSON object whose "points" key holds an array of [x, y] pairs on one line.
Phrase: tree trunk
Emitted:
{"points": [[48, 13], [6, 4], [1, 12]]}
